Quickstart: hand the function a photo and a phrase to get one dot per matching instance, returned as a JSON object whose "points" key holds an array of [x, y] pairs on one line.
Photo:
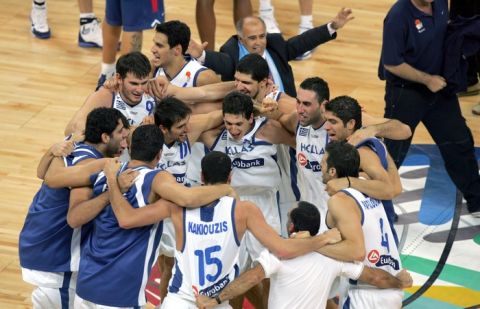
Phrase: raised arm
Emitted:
{"points": [[384, 280], [127, 216], [61, 149], [167, 188], [237, 287], [101, 98], [382, 127], [346, 215], [60, 176], [282, 248], [203, 122]]}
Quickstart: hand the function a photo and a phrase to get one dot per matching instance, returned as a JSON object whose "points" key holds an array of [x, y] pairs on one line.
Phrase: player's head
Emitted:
{"points": [[340, 160], [108, 129], [237, 114], [172, 116], [304, 217], [171, 40], [252, 33], [133, 71], [343, 116], [147, 143], [311, 98], [251, 75], [216, 168]]}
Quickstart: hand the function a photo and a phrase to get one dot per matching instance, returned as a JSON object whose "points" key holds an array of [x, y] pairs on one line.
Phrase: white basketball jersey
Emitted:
{"points": [[380, 245], [187, 77], [136, 113], [254, 165], [208, 260], [174, 160], [311, 145]]}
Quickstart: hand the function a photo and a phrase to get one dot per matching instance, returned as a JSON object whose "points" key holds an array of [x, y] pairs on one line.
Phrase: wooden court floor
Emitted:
{"points": [[43, 82]]}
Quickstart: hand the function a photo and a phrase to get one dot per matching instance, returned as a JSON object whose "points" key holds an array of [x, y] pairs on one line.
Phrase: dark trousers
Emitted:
{"points": [[468, 8], [441, 115]]}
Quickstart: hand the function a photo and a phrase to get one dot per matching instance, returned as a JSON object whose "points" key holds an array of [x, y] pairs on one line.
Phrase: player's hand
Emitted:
{"points": [[148, 120], [63, 148], [333, 235], [405, 277], [126, 179], [343, 17], [157, 87], [204, 302], [111, 168], [335, 185], [196, 49], [436, 83], [361, 134], [271, 86], [112, 84], [233, 193]]}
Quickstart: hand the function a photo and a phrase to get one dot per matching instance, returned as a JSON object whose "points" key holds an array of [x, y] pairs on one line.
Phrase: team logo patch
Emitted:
{"points": [[302, 159], [303, 131], [373, 256], [419, 25], [388, 260]]}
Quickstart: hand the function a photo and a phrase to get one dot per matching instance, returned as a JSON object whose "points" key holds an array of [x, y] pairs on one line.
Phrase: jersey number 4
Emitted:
{"points": [[205, 259]]}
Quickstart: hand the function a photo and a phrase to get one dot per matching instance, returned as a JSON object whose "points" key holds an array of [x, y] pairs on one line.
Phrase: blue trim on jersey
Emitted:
{"points": [[237, 270], [219, 137], [184, 228], [207, 212], [376, 146], [356, 202], [177, 280], [173, 77], [294, 173], [234, 227], [64, 296], [196, 76], [346, 304]]}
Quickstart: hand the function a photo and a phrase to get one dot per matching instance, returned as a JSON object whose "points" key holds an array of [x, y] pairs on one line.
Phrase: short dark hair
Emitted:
{"points": [[147, 141], [305, 217], [344, 158], [238, 103], [169, 111], [216, 167], [177, 32], [255, 66], [346, 108], [135, 63], [317, 85], [102, 120]]}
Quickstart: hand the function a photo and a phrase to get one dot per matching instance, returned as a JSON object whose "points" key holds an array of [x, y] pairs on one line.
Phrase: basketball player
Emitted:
{"points": [[208, 238], [48, 247], [132, 73], [362, 220]]}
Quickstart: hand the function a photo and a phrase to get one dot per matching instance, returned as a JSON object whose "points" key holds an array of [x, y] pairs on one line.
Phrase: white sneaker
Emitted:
{"points": [[306, 54], [90, 33], [270, 22], [38, 17]]}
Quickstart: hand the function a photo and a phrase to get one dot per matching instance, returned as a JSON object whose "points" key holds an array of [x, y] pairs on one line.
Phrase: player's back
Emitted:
{"points": [[208, 260], [114, 257]]}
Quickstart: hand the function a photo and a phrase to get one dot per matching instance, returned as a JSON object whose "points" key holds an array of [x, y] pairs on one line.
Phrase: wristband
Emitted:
{"points": [[217, 298]]}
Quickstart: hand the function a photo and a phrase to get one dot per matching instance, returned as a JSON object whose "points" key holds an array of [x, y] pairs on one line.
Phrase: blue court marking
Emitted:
{"points": [[439, 193]]}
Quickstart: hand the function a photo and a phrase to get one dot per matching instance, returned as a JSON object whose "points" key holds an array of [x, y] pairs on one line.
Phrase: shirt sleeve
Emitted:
{"points": [[270, 263], [394, 40], [352, 270]]}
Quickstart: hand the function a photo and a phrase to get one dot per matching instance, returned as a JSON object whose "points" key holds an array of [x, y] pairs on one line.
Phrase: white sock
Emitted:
{"points": [[265, 5], [87, 15], [306, 21], [108, 69], [38, 3]]}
